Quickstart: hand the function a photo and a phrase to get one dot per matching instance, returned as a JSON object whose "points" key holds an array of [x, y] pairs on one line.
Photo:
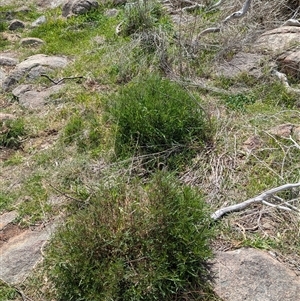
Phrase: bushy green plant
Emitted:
{"points": [[141, 15], [238, 102], [12, 132], [134, 243], [157, 115]]}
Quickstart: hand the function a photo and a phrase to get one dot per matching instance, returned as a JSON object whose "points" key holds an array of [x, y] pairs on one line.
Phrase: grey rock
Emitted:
{"points": [[253, 275], [113, 12], [78, 7], [241, 63], [278, 40], [21, 253], [44, 4], [32, 99], [289, 63], [31, 42], [7, 217], [8, 61], [2, 76], [39, 21], [21, 89], [32, 68], [16, 24]]}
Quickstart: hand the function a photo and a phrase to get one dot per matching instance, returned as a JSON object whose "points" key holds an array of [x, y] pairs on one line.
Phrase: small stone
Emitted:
{"points": [[16, 24], [78, 7], [111, 12], [283, 130], [31, 42], [39, 21], [252, 143], [4, 116]]}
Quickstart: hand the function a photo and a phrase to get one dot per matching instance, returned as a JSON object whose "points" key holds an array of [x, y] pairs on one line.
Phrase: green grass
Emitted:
{"points": [[134, 243], [155, 115]]}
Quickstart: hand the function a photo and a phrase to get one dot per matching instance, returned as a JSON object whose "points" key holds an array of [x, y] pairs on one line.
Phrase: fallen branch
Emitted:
{"points": [[61, 80], [262, 198]]}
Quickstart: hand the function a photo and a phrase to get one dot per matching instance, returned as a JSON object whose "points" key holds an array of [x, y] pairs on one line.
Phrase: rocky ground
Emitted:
{"points": [[242, 274]]}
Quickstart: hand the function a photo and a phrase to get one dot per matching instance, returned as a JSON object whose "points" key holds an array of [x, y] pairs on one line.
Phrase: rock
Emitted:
{"points": [[278, 40], [253, 275], [2, 77], [31, 42], [10, 37], [32, 68], [21, 253], [297, 133], [3, 117], [44, 4], [289, 63], [8, 61], [111, 13], [7, 217], [39, 21], [252, 143], [78, 7], [16, 24], [32, 99], [282, 130], [241, 63]]}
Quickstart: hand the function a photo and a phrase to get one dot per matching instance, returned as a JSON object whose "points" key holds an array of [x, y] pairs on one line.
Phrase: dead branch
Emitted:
{"points": [[240, 13], [262, 198]]}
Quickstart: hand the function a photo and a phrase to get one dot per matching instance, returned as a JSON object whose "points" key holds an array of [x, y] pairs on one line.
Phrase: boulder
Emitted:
{"points": [[31, 42], [241, 62], [253, 275], [33, 99], [20, 253], [39, 21], [16, 24], [278, 40], [289, 63], [7, 217], [78, 7], [32, 68]]}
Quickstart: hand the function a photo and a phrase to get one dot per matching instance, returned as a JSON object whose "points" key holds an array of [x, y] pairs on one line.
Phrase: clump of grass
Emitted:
{"points": [[134, 243], [12, 132], [156, 115], [7, 292], [141, 15]]}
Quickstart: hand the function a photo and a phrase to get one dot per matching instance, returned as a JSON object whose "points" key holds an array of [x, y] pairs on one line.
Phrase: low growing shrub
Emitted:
{"points": [[12, 132], [134, 243], [157, 115]]}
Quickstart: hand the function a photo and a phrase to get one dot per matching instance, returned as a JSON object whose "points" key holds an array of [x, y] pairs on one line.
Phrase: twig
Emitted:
{"points": [[66, 195], [62, 79], [258, 199]]}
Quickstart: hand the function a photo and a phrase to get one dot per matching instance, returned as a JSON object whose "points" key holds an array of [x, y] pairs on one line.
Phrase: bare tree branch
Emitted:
{"points": [[262, 198]]}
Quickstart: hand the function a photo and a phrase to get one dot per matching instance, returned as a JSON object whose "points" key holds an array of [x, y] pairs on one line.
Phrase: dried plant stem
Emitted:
{"points": [[262, 198]]}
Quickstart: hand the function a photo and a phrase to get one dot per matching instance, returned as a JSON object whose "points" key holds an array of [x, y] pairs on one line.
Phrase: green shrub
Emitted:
{"points": [[156, 115], [141, 15], [238, 102], [134, 243], [12, 132]]}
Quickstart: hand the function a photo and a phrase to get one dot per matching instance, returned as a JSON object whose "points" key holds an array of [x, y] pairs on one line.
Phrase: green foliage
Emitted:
{"points": [[156, 115], [7, 292], [12, 133], [134, 243], [238, 102], [85, 131], [142, 15], [5, 200]]}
